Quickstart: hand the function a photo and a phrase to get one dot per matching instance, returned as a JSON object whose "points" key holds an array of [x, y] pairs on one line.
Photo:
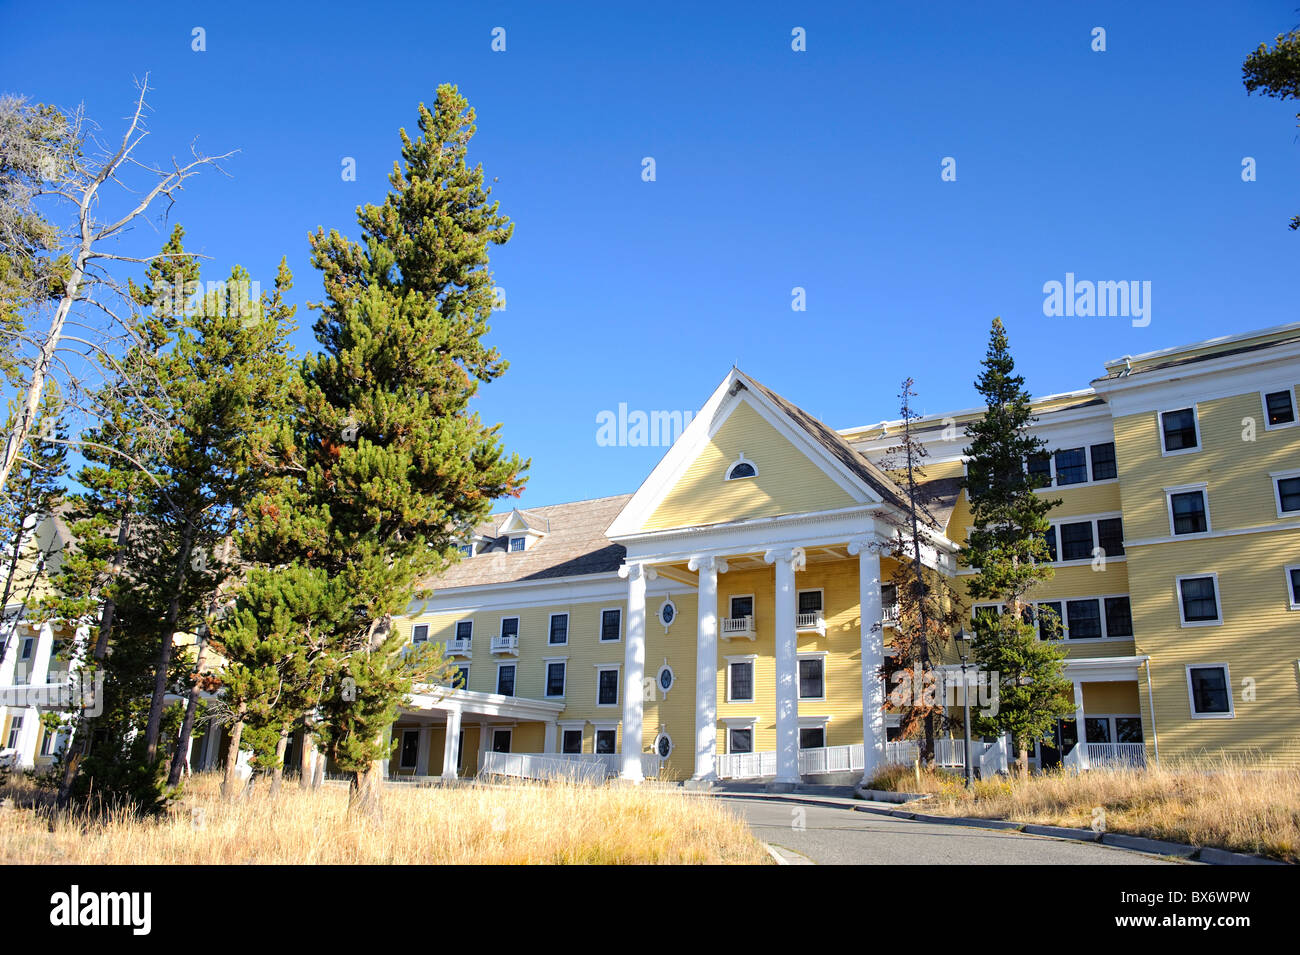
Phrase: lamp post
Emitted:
{"points": [[962, 640]]}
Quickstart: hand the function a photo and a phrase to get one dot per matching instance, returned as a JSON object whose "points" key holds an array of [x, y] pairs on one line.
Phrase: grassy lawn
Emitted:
{"points": [[543, 823], [1228, 806]]}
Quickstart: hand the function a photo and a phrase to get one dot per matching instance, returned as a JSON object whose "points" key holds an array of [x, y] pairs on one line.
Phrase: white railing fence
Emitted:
{"points": [[509, 641], [808, 621], [738, 625], [1118, 754], [580, 767]]}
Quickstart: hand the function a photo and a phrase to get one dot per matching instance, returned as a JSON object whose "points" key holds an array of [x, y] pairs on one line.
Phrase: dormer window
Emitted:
{"points": [[517, 543], [741, 468], [466, 550]]}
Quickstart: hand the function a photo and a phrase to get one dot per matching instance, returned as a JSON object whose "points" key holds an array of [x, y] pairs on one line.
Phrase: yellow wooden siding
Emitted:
{"points": [[787, 482], [1235, 470], [1259, 640], [1116, 698]]}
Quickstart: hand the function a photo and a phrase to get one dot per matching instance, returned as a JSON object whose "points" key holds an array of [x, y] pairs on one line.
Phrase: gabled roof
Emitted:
{"points": [[575, 546], [521, 520], [862, 481]]}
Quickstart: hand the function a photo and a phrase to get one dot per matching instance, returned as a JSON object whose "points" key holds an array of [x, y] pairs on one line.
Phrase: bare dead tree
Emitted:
{"points": [[89, 287]]}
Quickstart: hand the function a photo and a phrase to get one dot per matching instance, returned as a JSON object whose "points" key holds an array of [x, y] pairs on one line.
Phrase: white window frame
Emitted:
{"points": [[1263, 403], [743, 723], [663, 734], [753, 602], [466, 547], [1052, 486], [742, 658], [550, 623], [608, 726], [405, 733], [546, 677], [1094, 520], [726, 475], [462, 668], [1191, 696], [1201, 486], [809, 655], [523, 545], [1196, 424], [600, 624], [811, 590], [814, 723], [501, 627], [572, 726], [618, 684], [1111, 718], [492, 737], [1291, 600], [497, 687], [415, 629], [15, 731], [1218, 600], [659, 678], [1277, 477], [455, 630]]}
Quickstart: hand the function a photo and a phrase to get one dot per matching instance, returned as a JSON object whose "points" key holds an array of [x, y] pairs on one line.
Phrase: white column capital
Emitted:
{"points": [[867, 545], [706, 563], [794, 556], [637, 571]]}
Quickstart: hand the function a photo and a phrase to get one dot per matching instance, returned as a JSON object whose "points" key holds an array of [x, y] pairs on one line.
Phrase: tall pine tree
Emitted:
{"points": [[1008, 550], [392, 458]]}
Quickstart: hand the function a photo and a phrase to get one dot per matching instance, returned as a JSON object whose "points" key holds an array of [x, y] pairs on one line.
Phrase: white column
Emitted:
{"points": [[785, 562], [871, 612], [634, 668], [484, 740], [706, 666], [422, 752], [1079, 729], [451, 744], [39, 673], [548, 741]]}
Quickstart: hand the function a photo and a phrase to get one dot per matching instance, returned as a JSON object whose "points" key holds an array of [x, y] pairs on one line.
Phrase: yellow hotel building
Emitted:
{"points": [[731, 617]]}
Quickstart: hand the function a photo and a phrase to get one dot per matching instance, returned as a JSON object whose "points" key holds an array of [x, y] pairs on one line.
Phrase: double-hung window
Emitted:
{"points": [[607, 686], [1071, 466], [1178, 431], [1210, 691], [559, 634], [1198, 600], [1286, 487], [555, 673], [1279, 408], [1076, 541], [740, 681], [812, 677], [611, 624], [506, 679], [1104, 467], [1188, 511]]}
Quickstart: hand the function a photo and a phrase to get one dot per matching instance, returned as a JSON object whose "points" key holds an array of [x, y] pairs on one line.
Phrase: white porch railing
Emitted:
{"points": [[809, 621], [580, 767], [903, 751], [1133, 755], [746, 765], [505, 643], [738, 627], [544, 766], [831, 759]]}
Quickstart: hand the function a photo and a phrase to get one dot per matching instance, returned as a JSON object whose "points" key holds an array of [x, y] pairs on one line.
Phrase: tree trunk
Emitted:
{"points": [[231, 785], [277, 774], [1022, 763], [318, 777], [181, 757], [154, 726], [363, 793], [305, 767]]}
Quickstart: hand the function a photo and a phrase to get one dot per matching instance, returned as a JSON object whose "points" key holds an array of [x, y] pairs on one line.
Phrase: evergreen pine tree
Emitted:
{"points": [[1009, 551], [393, 460]]}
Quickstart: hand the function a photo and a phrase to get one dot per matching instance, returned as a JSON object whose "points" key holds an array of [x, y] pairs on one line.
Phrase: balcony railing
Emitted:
{"points": [[506, 643], [810, 621], [733, 627], [889, 617], [458, 645]]}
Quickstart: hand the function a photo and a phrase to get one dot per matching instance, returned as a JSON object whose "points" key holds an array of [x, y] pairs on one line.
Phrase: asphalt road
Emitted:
{"points": [[844, 837]]}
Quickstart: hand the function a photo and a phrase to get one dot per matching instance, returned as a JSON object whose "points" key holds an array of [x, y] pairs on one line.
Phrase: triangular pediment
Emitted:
{"points": [[791, 464]]}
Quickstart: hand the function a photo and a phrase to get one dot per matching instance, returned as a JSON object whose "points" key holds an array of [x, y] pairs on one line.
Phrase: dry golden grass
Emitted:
{"points": [[1225, 804], [544, 823]]}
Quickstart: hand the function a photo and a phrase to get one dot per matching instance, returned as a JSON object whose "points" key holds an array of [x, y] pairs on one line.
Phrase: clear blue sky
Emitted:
{"points": [[775, 169]]}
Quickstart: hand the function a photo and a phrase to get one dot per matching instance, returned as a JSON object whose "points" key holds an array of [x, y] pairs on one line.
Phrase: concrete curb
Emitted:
{"points": [[784, 856], [1115, 840]]}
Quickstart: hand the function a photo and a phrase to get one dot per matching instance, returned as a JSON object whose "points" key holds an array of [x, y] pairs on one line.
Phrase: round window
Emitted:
{"points": [[663, 745], [666, 678]]}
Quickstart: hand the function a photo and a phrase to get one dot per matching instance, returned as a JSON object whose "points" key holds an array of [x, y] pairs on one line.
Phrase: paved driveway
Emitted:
{"points": [[844, 837]]}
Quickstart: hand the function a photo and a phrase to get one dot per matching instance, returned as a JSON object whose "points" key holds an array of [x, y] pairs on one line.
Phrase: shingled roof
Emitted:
{"points": [[574, 546]]}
